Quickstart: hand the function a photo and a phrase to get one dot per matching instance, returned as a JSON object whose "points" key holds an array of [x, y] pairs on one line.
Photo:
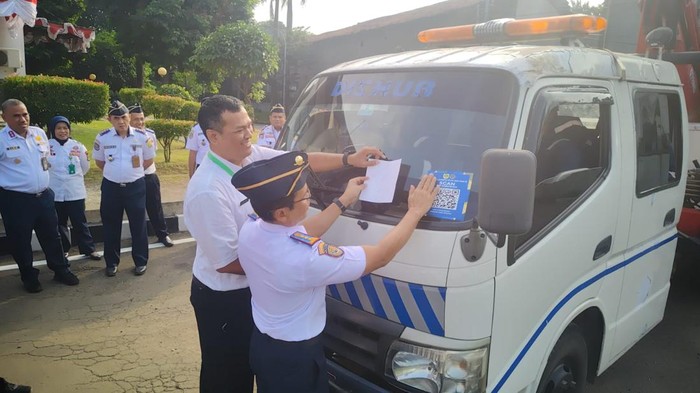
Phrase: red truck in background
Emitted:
{"points": [[682, 49]]}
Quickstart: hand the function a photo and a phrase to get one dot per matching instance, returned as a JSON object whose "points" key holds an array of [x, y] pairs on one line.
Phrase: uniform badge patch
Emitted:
{"points": [[330, 250], [149, 143], [11, 134], [96, 146], [304, 238]]}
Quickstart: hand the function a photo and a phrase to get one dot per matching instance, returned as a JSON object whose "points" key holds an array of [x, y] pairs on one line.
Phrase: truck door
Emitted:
{"points": [[549, 269], [654, 192]]}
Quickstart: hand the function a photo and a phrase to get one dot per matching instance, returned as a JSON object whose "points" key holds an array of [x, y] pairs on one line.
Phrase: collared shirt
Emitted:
{"points": [[288, 277], [196, 141], [21, 167], [268, 136], [214, 215], [118, 154], [69, 163], [153, 143]]}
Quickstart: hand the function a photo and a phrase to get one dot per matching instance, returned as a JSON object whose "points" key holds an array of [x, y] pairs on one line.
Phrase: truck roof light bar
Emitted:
{"points": [[511, 29]]}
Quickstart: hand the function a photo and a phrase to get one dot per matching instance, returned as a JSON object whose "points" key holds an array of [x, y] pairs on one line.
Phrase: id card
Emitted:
{"points": [[45, 164], [71, 169], [135, 161]]}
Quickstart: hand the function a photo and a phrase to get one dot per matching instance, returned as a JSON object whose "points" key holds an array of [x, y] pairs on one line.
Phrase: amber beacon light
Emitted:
{"points": [[512, 29]]}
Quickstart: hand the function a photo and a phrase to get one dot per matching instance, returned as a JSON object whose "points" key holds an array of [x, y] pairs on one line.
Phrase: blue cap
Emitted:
{"points": [[136, 108], [117, 109], [54, 121], [267, 181]]}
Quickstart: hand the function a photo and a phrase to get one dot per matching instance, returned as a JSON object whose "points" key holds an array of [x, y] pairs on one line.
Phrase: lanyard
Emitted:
{"points": [[220, 164]]}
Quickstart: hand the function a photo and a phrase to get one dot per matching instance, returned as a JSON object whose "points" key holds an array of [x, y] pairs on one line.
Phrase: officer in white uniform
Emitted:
{"points": [[68, 164], [214, 213], [26, 201], [288, 267], [198, 145], [122, 153], [269, 135], [154, 206]]}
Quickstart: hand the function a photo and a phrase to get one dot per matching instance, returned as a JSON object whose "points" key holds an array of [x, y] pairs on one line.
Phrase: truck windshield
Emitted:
{"points": [[432, 120]]}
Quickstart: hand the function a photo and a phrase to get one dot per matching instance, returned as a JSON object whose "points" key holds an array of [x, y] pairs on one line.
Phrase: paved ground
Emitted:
{"points": [[138, 334]]}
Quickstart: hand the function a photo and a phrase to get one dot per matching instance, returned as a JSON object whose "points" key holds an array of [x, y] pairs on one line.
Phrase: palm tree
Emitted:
{"points": [[275, 16], [287, 36]]}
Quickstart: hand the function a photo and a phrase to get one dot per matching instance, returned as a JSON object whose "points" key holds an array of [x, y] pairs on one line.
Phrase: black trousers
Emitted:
{"points": [[75, 210], [23, 213], [117, 198], [154, 206], [224, 322], [288, 366]]}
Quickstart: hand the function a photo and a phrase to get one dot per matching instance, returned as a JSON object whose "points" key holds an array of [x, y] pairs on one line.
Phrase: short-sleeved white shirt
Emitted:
{"points": [[288, 277], [196, 141], [20, 160], [154, 145], [68, 186], [214, 215], [117, 153], [268, 136]]}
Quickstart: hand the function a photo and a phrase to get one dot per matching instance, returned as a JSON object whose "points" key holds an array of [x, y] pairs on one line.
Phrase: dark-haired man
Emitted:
{"points": [[26, 201], [214, 212], [154, 206], [122, 152], [268, 136]]}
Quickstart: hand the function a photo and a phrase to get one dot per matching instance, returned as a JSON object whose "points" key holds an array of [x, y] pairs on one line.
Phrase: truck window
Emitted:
{"points": [[431, 120], [659, 145], [568, 130]]}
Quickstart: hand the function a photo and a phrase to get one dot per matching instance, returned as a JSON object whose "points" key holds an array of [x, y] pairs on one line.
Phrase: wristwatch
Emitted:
{"points": [[337, 202], [345, 158]]}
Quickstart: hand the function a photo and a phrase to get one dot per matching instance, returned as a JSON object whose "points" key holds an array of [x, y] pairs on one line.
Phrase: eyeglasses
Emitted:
{"points": [[306, 197]]}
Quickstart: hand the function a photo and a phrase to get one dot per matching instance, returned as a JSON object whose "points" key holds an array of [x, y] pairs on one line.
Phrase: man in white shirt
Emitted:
{"points": [[288, 267], [26, 201], [269, 135], [122, 153], [154, 206], [214, 212], [198, 145]]}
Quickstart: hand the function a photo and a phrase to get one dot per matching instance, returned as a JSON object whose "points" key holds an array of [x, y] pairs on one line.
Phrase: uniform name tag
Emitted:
{"points": [[11, 148]]}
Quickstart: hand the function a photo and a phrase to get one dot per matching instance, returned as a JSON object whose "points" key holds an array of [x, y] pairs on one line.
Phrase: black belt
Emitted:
{"points": [[28, 194], [123, 184]]}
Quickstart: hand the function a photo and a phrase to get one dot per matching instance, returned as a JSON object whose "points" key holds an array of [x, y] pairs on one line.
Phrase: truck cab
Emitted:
{"points": [[543, 274]]}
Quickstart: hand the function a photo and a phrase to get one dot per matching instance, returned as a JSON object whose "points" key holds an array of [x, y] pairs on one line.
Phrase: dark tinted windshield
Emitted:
{"points": [[433, 121]]}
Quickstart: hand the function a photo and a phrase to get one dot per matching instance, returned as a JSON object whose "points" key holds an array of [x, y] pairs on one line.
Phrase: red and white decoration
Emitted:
{"points": [[18, 13]]}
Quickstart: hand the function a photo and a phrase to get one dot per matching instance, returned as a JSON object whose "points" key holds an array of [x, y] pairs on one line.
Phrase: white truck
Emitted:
{"points": [[551, 257]]}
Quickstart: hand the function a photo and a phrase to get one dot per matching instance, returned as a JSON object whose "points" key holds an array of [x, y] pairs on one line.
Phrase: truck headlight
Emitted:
{"points": [[438, 371]]}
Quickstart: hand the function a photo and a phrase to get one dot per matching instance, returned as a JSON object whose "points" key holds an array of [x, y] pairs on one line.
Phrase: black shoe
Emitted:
{"points": [[111, 271], [32, 286], [95, 256], [66, 277], [140, 270], [13, 388], [167, 241]]}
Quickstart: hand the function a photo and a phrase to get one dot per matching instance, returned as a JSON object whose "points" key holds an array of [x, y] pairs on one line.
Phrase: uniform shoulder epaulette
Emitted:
{"points": [[253, 216], [142, 132], [105, 132], [302, 237], [150, 131]]}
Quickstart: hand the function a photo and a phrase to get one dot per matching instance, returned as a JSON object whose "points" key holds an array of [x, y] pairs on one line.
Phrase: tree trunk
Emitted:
{"points": [[139, 72]]}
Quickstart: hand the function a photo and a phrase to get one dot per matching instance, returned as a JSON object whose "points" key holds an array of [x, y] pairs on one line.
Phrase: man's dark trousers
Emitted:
{"points": [[75, 210], [154, 206], [22, 213], [117, 198]]}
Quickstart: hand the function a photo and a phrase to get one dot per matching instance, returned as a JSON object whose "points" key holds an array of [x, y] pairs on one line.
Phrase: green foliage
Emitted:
{"points": [[168, 131], [162, 107], [48, 96], [130, 96], [106, 60], [240, 51], [173, 90], [189, 111], [582, 7], [249, 108]]}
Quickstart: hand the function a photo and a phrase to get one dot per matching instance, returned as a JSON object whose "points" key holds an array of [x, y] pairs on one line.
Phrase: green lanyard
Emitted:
{"points": [[220, 164]]}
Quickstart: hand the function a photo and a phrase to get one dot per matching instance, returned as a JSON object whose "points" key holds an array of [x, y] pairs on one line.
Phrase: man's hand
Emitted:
{"points": [[361, 159], [353, 189], [421, 197]]}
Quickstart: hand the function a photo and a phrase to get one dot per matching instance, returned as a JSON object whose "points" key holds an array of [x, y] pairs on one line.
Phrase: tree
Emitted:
{"points": [[582, 7], [241, 51], [106, 60]]}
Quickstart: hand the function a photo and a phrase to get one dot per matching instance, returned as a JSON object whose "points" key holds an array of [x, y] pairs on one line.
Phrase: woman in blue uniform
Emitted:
{"points": [[69, 163], [288, 267]]}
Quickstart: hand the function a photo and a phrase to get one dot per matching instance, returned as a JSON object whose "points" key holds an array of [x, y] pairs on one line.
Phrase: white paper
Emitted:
{"points": [[382, 182]]}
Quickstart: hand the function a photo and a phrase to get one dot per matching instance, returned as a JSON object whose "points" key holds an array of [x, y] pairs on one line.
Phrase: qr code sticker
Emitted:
{"points": [[447, 198]]}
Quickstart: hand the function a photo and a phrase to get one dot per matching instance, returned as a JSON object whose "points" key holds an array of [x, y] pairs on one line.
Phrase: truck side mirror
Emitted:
{"points": [[506, 191]]}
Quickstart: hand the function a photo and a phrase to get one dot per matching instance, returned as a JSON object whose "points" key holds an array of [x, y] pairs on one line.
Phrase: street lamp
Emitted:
{"points": [[92, 77], [162, 71]]}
